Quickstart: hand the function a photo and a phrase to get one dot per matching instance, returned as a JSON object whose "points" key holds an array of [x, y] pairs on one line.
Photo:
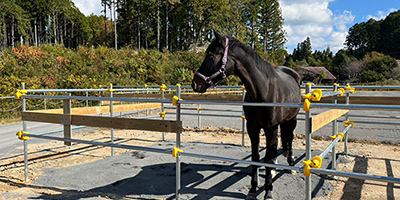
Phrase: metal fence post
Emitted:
{"points": [[334, 128], [198, 115], [44, 101], [87, 101], [308, 126], [178, 145], [25, 129], [162, 111], [243, 119], [346, 137], [112, 115]]}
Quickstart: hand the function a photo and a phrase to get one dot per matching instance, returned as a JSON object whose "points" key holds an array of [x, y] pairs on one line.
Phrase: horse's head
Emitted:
{"points": [[216, 65]]}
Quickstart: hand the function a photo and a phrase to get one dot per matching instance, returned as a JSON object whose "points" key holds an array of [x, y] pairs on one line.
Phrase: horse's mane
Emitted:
{"points": [[264, 66]]}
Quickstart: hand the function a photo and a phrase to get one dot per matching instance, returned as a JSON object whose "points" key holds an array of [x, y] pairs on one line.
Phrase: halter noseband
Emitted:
{"points": [[220, 71]]}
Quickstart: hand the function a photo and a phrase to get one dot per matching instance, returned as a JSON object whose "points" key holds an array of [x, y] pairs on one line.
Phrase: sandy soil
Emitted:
{"points": [[376, 159]]}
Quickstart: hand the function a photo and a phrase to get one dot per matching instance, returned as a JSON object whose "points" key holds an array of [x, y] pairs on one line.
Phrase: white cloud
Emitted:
{"points": [[341, 21], [298, 13], [88, 7], [314, 19], [381, 14]]}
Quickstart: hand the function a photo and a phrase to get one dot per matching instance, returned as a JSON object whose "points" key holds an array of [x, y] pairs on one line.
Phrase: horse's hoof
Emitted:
{"points": [[268, 195], [290, 160], [251, 196], [273, 173]]}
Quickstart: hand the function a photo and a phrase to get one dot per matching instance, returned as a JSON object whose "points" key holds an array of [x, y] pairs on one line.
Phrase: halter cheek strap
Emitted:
{"points": [[220, 71]]}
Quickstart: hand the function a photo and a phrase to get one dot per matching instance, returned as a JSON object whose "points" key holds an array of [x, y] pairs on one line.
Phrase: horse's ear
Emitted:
{"points": [[219, 37]]}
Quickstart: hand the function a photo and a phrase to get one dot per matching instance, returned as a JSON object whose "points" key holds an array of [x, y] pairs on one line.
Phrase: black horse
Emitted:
{"points": [[264, 83]]}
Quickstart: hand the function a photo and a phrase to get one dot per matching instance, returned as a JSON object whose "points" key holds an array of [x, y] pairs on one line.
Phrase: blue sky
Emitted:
{"points": [[326, 22]]}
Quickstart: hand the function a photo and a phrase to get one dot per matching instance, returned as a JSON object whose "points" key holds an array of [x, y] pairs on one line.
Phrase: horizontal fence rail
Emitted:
{"points": [[219, 97]]}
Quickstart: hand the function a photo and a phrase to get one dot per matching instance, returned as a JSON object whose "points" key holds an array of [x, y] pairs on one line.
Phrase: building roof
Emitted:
{"points": [[318, 70]]}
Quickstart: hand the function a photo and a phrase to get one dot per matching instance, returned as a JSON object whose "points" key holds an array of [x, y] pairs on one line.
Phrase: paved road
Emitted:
{"points": [[385, 133]]}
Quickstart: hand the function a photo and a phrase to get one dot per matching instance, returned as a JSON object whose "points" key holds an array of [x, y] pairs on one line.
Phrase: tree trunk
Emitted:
{"points": [[5, 32], [139, 24], [55, 28], [12, 32], [158, 25], [36, 36], [166, 26], [72, 35], [105, 24], [115, 25], [48, 30]]}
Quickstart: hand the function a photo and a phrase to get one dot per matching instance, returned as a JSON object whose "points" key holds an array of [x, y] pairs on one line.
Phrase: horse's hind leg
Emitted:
{"points": [[287, 129], [270, 157], [254, 134]]}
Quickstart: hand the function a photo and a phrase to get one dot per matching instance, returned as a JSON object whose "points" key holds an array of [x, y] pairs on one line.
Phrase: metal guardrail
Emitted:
{"points": [[176, 152]]}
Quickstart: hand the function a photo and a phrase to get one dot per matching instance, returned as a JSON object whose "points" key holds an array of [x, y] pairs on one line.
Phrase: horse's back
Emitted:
{"points": [[290, 72]]}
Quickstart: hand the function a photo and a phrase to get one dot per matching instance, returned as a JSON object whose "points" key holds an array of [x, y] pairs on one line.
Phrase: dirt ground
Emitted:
{"points": [[363, 157]]}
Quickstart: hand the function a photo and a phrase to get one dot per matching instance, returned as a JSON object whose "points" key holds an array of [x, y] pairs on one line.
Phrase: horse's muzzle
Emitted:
{"points": [[199, 87]]}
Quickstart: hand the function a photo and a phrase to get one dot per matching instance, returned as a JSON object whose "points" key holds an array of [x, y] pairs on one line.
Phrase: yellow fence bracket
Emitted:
{"points": [[163, 114], [339, 134], [109, 89], [163, 88], [347, 123], [316, 162], [175, 152], [348, 87], [22, 137], [314, 95], [341, 90], [306, 105], [19, 93], [175, 100]]}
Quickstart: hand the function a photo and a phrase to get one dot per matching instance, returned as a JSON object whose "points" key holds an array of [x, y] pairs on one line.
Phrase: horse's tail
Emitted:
{"points": [[291, 72]]}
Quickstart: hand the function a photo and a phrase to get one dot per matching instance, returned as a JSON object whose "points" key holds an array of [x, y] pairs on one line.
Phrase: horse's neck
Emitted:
{"points": [[257, 81]]}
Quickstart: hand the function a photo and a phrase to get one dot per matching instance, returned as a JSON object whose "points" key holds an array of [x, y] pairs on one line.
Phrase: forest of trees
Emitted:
{"points": [[174, 25], [181, 25], [370, 55]]}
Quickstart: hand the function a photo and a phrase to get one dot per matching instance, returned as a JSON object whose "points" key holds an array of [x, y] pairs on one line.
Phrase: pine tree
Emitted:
{"points": [[271, 30]]}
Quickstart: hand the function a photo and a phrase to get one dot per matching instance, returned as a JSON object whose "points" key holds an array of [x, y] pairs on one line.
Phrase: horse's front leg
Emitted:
{"points": [[254, 134], [287, 129], [271, 158]]}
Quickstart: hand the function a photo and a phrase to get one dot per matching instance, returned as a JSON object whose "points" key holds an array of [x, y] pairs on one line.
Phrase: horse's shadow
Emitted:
{"points": [[200, 179], [158, 181]]}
